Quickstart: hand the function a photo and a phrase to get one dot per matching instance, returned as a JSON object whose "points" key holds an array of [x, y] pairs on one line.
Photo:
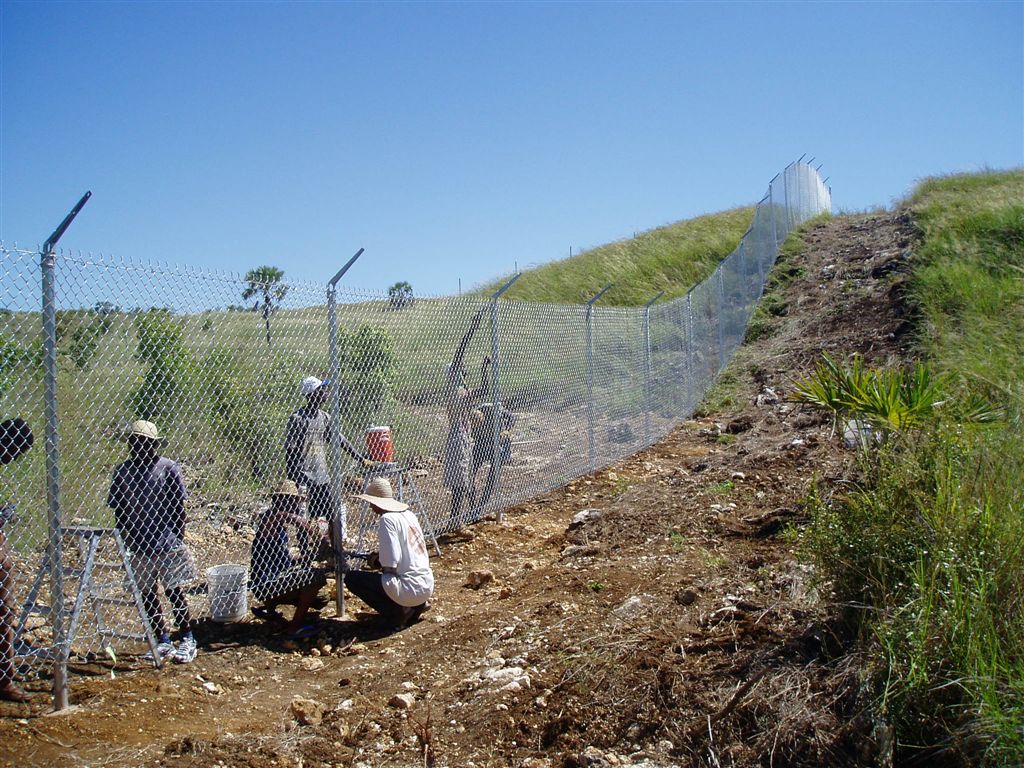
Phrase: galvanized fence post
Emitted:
{"points": [[647, 367], [720, 284], [771, 207], [54, 553], [591, 450], [788, 205], [496, 454], [339, 525], [690, 377]]}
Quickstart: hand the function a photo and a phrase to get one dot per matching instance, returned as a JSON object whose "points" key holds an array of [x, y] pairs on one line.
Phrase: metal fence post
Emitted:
{"points": [[690, 374], [54, 553], [720, 282], [591, 451], [647, 367], [496, 457], [339, 524], [785, 192], [771, 207]]}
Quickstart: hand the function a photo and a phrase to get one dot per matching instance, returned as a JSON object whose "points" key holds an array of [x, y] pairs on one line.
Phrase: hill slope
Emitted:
{"points": [[672, 259]]}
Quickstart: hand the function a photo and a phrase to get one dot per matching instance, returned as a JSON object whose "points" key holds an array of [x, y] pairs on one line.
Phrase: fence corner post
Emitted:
{"points": [[339, 525], [48, 264]]}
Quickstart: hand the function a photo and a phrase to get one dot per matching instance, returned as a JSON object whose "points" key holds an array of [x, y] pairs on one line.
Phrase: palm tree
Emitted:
{"points": [[400, 294], [266, 282]]}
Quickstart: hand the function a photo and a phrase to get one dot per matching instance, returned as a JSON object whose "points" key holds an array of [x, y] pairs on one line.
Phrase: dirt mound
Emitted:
{"points": [[650, 614]]}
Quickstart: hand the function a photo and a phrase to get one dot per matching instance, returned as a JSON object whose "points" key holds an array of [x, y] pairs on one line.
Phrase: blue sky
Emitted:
{"points": [[454, 140]]}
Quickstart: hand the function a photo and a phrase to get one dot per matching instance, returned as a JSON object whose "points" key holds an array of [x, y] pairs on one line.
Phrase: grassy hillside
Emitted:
{"points": [[672, 259], [928, 554]]}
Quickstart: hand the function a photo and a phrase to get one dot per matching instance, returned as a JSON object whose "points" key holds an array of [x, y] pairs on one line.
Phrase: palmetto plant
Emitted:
{"points": [[889, 400]]}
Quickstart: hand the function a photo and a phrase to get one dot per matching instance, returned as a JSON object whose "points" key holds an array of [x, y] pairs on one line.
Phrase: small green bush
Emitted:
{"points": [[162, 348]]}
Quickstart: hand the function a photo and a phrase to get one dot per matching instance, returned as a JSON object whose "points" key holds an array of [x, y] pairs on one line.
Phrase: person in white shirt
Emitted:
{"points": [[400, 591]]}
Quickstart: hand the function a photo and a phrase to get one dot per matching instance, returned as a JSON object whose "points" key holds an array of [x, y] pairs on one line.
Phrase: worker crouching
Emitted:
{"points": [[400, 591]]}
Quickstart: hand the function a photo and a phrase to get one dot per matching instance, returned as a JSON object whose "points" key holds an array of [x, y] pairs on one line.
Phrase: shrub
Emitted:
{"points": [[162, 348]]}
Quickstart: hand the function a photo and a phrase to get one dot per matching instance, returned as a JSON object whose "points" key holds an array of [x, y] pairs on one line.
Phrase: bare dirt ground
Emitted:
{"points": [[651, 614]]}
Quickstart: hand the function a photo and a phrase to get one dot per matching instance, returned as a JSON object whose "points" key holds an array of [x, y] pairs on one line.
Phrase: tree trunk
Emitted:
{"points": [[266, 316]]}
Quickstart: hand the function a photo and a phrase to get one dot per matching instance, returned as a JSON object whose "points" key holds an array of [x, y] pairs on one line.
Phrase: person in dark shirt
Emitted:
{"points": [[15, 439], [148, 496], [278, 578]]}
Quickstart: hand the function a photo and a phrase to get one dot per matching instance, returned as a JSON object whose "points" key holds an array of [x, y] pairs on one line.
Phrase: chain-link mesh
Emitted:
{"points": [[468, 405]]}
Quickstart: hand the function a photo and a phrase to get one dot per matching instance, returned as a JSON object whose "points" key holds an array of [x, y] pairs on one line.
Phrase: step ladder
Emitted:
{"points": [[406, 485], [106, 583]]}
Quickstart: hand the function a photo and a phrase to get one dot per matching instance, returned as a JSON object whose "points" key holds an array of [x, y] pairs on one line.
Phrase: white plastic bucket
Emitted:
{"points": [[229, 592]]}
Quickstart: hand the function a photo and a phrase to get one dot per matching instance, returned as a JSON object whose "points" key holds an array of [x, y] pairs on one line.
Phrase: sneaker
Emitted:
{"points": [[187, 651], [164, 649]]}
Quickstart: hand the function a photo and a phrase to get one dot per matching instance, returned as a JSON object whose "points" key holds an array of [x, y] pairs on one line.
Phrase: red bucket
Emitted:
{"points": [[379, 445]]}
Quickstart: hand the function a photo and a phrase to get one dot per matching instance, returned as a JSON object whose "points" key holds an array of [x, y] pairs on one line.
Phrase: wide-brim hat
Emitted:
{"points": [[379, 494], [143, 428], [288, 488]]}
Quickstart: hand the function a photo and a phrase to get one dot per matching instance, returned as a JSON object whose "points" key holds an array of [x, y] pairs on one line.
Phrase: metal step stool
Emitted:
{"points": [[88, 543]]}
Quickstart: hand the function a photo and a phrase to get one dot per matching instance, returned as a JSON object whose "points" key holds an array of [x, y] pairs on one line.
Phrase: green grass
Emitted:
{"points": [[928, 553], [672, 259]]}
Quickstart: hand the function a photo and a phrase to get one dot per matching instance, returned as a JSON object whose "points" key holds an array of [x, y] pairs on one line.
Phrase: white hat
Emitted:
{"points": [[311, 384], [379, 494]]}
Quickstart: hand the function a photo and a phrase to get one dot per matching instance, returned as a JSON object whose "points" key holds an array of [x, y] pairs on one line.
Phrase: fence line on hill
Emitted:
{"points": [[487, 402]]}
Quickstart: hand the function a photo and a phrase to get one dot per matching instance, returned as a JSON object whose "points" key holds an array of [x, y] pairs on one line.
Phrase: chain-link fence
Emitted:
{"points": [[467, 404]]}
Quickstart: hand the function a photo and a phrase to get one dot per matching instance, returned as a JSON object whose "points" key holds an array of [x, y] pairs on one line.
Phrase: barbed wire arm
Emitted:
{"points": [[460, 351]]}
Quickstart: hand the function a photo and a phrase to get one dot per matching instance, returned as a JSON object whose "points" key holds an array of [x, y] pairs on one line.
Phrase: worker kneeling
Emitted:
{"points": [[400, 591]]}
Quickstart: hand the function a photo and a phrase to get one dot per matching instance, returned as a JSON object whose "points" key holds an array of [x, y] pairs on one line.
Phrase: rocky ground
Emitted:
{"points": [[651, 614]]}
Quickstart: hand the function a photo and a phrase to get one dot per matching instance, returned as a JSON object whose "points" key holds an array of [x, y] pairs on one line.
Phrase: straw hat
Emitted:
{"points": [[141, 428], [288, 488], [379, 494]]}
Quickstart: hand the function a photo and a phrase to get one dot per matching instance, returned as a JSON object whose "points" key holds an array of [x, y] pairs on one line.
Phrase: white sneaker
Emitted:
{"points": [[163, 650], [187, 651]]}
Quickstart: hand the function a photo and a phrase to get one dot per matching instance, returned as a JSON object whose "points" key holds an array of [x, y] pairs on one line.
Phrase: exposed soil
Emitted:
{"points": [[669, 625]]}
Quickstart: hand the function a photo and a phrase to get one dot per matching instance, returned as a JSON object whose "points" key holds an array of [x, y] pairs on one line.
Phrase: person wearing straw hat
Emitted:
{"points": [[15, 440], [278, 577], [306, 437], [148, 495], [401, 590]]}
